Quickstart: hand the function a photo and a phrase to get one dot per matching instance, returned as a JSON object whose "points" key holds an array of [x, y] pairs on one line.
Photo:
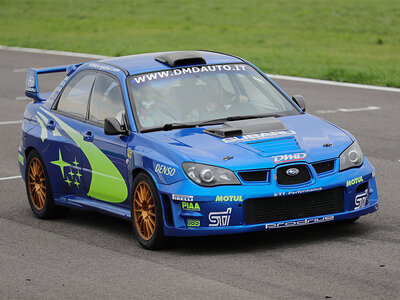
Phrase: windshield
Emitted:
{"points": [[195, 95]]}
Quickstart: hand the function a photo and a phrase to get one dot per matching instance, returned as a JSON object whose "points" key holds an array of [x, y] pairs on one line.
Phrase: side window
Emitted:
{"points": [[75, 96], [106, 101]]}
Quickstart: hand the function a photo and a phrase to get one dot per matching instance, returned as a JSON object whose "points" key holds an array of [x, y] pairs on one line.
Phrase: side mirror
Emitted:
{"points": [[112, 127], [299, 100]]}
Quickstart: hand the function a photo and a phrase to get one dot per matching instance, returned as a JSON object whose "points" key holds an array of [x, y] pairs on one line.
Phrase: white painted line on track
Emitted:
{"points": [[11, 177], [359, 109], [336, 83], [11, 122], [272, 76], [20, 70], [22, 98], [348, 109], [330, 111], [53, 52]]}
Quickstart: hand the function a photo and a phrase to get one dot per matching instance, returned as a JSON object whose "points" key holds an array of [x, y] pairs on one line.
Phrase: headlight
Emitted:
{"points": [[351, 157], [207, 175]]}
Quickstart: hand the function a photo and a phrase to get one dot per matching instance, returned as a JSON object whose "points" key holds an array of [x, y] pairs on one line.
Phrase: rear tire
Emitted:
{"points": [[38, 189], [146, 213]]}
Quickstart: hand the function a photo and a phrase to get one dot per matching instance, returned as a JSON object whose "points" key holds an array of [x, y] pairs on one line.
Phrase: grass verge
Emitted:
{"points": [[349, 41]]}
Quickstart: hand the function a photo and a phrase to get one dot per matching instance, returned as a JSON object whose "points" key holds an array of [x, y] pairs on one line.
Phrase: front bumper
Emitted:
{"points": [[191, 210], [21, 162]]}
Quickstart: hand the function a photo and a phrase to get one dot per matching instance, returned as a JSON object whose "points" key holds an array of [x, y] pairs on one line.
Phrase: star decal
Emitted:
{"points": [[79, 175], [71, 173], [68, 181], [76, 183], [62, 164], [75, 162]]}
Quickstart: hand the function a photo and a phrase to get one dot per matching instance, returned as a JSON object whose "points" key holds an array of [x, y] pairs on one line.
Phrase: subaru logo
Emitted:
{"points": [[292, 171]]}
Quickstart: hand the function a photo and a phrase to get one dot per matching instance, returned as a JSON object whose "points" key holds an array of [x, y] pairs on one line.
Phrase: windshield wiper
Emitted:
{"points": [[236, 118], [170, 126]]}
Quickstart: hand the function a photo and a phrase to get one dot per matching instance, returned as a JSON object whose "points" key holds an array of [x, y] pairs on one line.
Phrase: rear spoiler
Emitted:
{"points": [[31, 83]]}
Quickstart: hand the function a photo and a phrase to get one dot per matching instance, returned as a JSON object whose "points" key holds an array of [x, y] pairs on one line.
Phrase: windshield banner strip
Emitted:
{"points": [[188, 70]]}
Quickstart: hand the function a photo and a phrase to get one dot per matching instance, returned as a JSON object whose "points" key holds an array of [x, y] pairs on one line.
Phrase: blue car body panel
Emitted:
{"points": [[190, 209]]}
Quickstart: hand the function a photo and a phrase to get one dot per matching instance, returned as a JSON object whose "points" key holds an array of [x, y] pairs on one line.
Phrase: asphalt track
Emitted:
{"points": [[89, 255]]}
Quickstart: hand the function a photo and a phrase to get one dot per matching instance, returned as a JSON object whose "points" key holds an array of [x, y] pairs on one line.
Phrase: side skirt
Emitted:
{"points": [[97, 205]]}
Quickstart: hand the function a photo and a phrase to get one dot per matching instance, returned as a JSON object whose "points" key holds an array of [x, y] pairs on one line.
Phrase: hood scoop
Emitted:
{"points": [[223, 131], [249, 126]]}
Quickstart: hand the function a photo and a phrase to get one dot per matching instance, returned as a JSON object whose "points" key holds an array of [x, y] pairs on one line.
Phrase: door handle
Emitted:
{"points": [[51, 125], [88, 136]]}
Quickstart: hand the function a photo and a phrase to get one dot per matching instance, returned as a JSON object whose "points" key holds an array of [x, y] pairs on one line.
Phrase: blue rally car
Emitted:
{"points": [[187, 143]]}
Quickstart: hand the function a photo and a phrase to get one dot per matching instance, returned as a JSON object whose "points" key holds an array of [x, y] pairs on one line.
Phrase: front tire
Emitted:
{"points": [[38, 189], [146, 213]]}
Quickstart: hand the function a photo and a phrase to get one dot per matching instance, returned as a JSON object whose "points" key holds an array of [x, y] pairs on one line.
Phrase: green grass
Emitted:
{"points": [[352, 41]]}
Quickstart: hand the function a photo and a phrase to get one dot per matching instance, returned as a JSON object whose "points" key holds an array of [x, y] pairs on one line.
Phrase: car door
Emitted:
{"points": [[104, 167], [65, 121]]}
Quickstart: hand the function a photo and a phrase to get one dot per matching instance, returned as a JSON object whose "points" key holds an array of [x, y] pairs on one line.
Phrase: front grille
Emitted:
{"points": [[265, 210], [324, 166], [254, 175], [284, 179]]}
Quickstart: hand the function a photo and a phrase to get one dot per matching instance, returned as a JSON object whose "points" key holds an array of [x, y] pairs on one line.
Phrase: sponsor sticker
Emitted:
{"points": [[182, 197], [297, 192], [190, 70], [361, 200], [258, 136], [193, 206], [288, 157], [193, 222], [299, 223], [20, 159], [354, 181], [220, 218], [229, 198], [103, 67], [30, 82], [163, 169], [129, 153]]}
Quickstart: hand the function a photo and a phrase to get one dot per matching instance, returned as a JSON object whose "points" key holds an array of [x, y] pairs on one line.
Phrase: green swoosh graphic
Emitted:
{"points": [[43, 117], [55, 130], [43, 132], [107, 182]]}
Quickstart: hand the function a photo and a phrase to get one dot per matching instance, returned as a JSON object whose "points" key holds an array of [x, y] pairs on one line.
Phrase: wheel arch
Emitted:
{"points": [[29, 150], [165, 200]]}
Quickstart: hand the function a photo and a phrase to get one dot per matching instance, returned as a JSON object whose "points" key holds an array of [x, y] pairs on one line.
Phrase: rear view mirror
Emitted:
{"points": [[112, 127], [299, 100]]}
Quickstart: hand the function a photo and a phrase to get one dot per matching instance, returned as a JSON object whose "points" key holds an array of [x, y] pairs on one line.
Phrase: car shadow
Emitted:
{"points": [[119, 231], [270, 240]]}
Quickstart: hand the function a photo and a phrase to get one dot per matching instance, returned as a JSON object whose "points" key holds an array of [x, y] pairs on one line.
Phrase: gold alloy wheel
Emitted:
{"points": [[36, 183], [144, 210]]}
